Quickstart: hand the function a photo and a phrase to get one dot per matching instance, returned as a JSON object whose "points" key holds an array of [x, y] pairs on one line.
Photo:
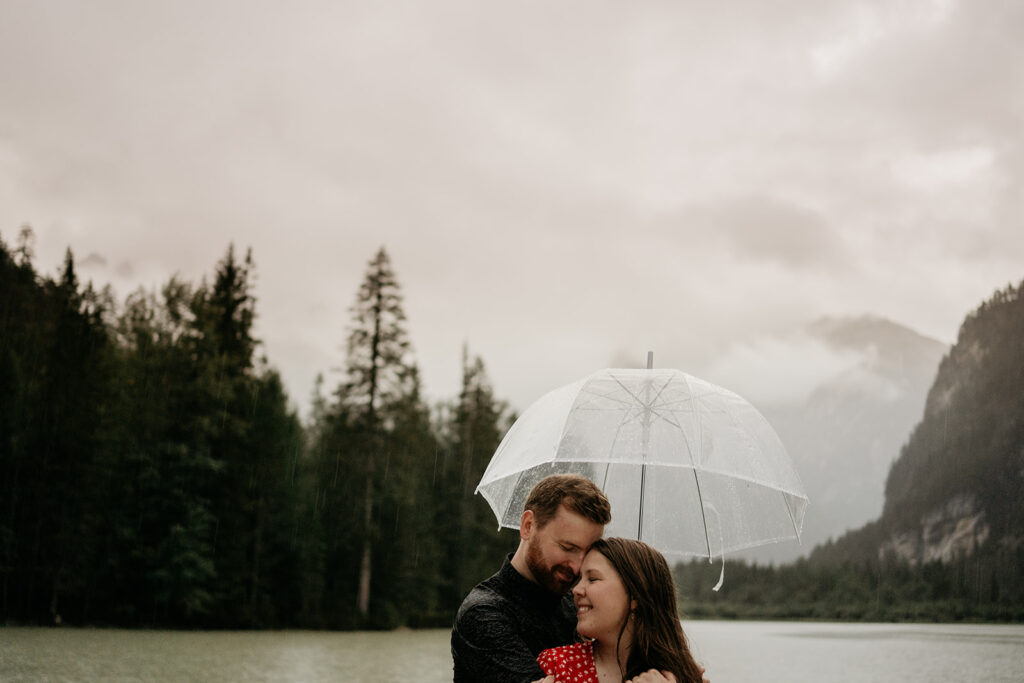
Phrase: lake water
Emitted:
{"points": [[732, 652]]}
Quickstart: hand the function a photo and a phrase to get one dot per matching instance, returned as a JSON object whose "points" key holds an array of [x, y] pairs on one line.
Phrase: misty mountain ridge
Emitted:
{"points": [[955, 490], [844, 435]]}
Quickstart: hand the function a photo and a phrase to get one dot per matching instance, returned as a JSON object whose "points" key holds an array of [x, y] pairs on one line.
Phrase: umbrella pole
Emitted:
{"points": [[643, 468]]}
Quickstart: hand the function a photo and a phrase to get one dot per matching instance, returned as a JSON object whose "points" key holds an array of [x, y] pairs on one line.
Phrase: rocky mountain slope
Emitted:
{"points": [[957, 488], [845, 435]]}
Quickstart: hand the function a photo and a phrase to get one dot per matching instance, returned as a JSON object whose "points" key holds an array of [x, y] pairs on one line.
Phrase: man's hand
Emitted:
{"points": [[654, 676]]}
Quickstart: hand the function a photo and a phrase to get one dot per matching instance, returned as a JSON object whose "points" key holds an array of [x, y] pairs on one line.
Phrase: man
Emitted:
{"points": [[505, 621]]}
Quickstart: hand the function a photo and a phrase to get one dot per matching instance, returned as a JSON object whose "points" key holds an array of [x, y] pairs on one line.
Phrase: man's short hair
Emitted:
{"points": [[577, 493]]}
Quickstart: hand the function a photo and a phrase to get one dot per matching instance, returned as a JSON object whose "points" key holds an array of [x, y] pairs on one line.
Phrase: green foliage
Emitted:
{"points": [[146, 461], [393, 492], [54, 378]]}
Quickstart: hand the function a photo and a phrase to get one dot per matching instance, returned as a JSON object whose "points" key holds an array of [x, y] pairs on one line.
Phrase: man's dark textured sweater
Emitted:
{"points": [[503, 624]]}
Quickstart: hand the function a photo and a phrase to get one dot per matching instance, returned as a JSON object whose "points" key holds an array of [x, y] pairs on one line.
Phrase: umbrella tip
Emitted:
{"points": [[650, 360]]}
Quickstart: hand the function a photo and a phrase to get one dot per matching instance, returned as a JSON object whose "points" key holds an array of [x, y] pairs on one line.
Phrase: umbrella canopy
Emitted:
{"points": [[688, 467]]}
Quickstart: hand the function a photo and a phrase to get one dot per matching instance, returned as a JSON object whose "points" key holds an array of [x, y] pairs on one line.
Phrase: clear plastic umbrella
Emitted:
{"points": [[689, 467]]}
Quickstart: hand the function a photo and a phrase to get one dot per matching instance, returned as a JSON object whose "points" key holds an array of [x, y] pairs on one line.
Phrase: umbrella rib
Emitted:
{"points": [[636, 399], [618, 430], [672, 422], [703, 515], [696, 479], [640, 513], [519, 479], [610, 396], [785, 499]]}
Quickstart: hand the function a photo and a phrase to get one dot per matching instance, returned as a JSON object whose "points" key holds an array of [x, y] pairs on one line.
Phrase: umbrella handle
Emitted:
{"points": [[721, 545], [721, 576]]}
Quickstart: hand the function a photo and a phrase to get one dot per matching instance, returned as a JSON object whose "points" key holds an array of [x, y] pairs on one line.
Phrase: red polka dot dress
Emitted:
{"points": [[570, 663]]}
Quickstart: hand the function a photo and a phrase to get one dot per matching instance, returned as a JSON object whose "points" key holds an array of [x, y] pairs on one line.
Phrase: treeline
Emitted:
{"points": [[984, 587], [153, 474]]}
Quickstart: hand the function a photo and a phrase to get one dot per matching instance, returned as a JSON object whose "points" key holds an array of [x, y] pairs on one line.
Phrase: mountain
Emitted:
{"points": [[844, 436], [955, 490]]}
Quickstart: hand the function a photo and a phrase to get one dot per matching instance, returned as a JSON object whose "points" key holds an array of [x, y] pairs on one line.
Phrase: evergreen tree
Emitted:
{"points": [[380, 375], [372, 449], [272, 476], [54, 378], [23, 311], [467, 526], [162, 533], [405, 540], [253, 439]]}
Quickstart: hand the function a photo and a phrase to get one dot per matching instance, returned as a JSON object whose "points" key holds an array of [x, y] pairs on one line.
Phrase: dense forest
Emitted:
{"points": [[152, 473]]}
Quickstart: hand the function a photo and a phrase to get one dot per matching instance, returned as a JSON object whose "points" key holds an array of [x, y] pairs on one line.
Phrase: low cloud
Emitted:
{"points": [[779, 370]]}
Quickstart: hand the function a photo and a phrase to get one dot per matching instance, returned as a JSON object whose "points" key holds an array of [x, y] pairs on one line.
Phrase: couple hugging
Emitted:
{"points": [[521, 624]]}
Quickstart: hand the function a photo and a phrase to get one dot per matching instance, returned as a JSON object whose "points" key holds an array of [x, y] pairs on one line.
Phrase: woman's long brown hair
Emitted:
{"points": [[658, 638]]}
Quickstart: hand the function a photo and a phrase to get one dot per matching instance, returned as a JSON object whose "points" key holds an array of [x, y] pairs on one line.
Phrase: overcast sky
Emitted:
{"points": [[563, 185]]}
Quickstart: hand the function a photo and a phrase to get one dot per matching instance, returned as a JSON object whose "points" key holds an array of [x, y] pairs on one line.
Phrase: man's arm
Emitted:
{"points": [[487, 646]]}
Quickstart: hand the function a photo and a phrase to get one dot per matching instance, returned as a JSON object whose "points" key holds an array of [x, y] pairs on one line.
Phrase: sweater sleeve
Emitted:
{"points": [[486, 646]]}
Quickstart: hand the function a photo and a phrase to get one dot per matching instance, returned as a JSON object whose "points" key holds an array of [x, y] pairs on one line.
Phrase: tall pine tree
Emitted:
{"points": [[380, 374], [370, 447]]}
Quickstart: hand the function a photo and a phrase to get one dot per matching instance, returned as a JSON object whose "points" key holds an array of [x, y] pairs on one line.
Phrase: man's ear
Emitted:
{"points": [[526, 525]]}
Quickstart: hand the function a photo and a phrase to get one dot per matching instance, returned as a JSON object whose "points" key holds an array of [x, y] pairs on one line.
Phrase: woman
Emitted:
{"points": [[626, 609]]}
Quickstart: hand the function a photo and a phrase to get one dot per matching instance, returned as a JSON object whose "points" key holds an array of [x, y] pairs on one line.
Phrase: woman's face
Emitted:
{"points": [[602, 605]]}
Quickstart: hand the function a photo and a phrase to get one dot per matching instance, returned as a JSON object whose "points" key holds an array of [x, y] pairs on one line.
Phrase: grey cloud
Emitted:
{"points": [[765, 229], [956, 82], [554, 181]]}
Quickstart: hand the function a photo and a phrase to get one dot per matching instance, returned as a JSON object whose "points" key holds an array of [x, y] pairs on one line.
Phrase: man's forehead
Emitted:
{"points": [[573, 528], [567, 515]]}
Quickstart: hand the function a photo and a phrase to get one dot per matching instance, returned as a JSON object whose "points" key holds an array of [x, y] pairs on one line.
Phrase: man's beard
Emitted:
{"points": [[557, 579]]}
